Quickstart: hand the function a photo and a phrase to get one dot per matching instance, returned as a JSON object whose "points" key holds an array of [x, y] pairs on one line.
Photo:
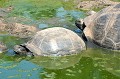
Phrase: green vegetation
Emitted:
{"points": [[37, 8], [69, 5], [2, 2], [116, 0], [10, 41], [98, 9], [31, 8], [90, 64]]}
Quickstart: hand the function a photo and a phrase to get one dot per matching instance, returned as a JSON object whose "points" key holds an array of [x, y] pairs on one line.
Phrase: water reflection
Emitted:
{"points": [[43, 26], [12, 67], [62, 13], [10, 41], [22, 70], [105, 59], [62, 18], [94, 64], [56, 62]]}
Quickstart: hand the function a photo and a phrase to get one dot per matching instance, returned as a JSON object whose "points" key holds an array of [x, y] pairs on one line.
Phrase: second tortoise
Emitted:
{"points": [[103, 28]]}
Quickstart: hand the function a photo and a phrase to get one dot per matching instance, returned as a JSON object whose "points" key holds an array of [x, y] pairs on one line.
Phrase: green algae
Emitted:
{"points": [[94, 63]]}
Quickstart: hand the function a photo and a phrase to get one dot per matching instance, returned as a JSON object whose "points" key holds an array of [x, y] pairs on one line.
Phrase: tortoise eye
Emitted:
{"points": [[23, 49]]}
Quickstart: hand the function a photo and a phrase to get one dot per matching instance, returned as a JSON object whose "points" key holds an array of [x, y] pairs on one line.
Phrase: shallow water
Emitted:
{"points": [[94, 63]]}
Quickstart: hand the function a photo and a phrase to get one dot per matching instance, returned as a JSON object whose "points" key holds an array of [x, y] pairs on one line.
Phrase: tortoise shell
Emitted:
{"points": [[55, 41], [104, 27]]}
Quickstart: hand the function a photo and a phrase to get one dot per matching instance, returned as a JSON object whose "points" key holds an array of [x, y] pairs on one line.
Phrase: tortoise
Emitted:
{"points": [[103, 28], [56, 41]]}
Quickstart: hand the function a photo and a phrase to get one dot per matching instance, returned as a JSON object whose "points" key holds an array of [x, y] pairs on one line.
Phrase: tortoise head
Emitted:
{"points": [[22, 50], [80, 24]]}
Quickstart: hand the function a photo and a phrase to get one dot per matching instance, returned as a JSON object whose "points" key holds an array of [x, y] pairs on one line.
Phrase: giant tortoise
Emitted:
{"points": [[103, 28], [56, 41]]}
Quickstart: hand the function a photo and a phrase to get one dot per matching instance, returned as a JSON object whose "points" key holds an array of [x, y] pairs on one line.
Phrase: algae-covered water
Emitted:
{"points": [[94, 63]]}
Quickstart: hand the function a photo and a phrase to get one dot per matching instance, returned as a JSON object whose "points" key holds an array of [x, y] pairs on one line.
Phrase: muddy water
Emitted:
{"points": [[94, 63]]}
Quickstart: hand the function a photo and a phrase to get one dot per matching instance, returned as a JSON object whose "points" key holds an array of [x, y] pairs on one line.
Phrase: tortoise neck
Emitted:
{"points": [[83, 26]]}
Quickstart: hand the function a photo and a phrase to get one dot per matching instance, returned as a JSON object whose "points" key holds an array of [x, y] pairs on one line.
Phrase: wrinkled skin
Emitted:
{"points": [[80, 24], [22, 50]]}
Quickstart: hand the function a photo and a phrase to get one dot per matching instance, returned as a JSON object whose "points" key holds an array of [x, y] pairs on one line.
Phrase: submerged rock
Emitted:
{"points": [[4, 11], [2, 47]]}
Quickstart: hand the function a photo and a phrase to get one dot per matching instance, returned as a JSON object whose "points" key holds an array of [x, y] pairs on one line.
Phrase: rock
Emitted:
{"points": [[4, 11], [2, 25], [21, 30], [2, 47], [90, 13], [88, 5]]}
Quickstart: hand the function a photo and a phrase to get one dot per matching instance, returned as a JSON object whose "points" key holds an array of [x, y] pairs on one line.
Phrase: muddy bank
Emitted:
{"points": [[18, 29], [94, 4], [14, 25]]}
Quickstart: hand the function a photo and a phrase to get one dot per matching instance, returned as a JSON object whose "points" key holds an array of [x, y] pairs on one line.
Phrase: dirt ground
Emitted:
{"points": [[91, 4]]}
